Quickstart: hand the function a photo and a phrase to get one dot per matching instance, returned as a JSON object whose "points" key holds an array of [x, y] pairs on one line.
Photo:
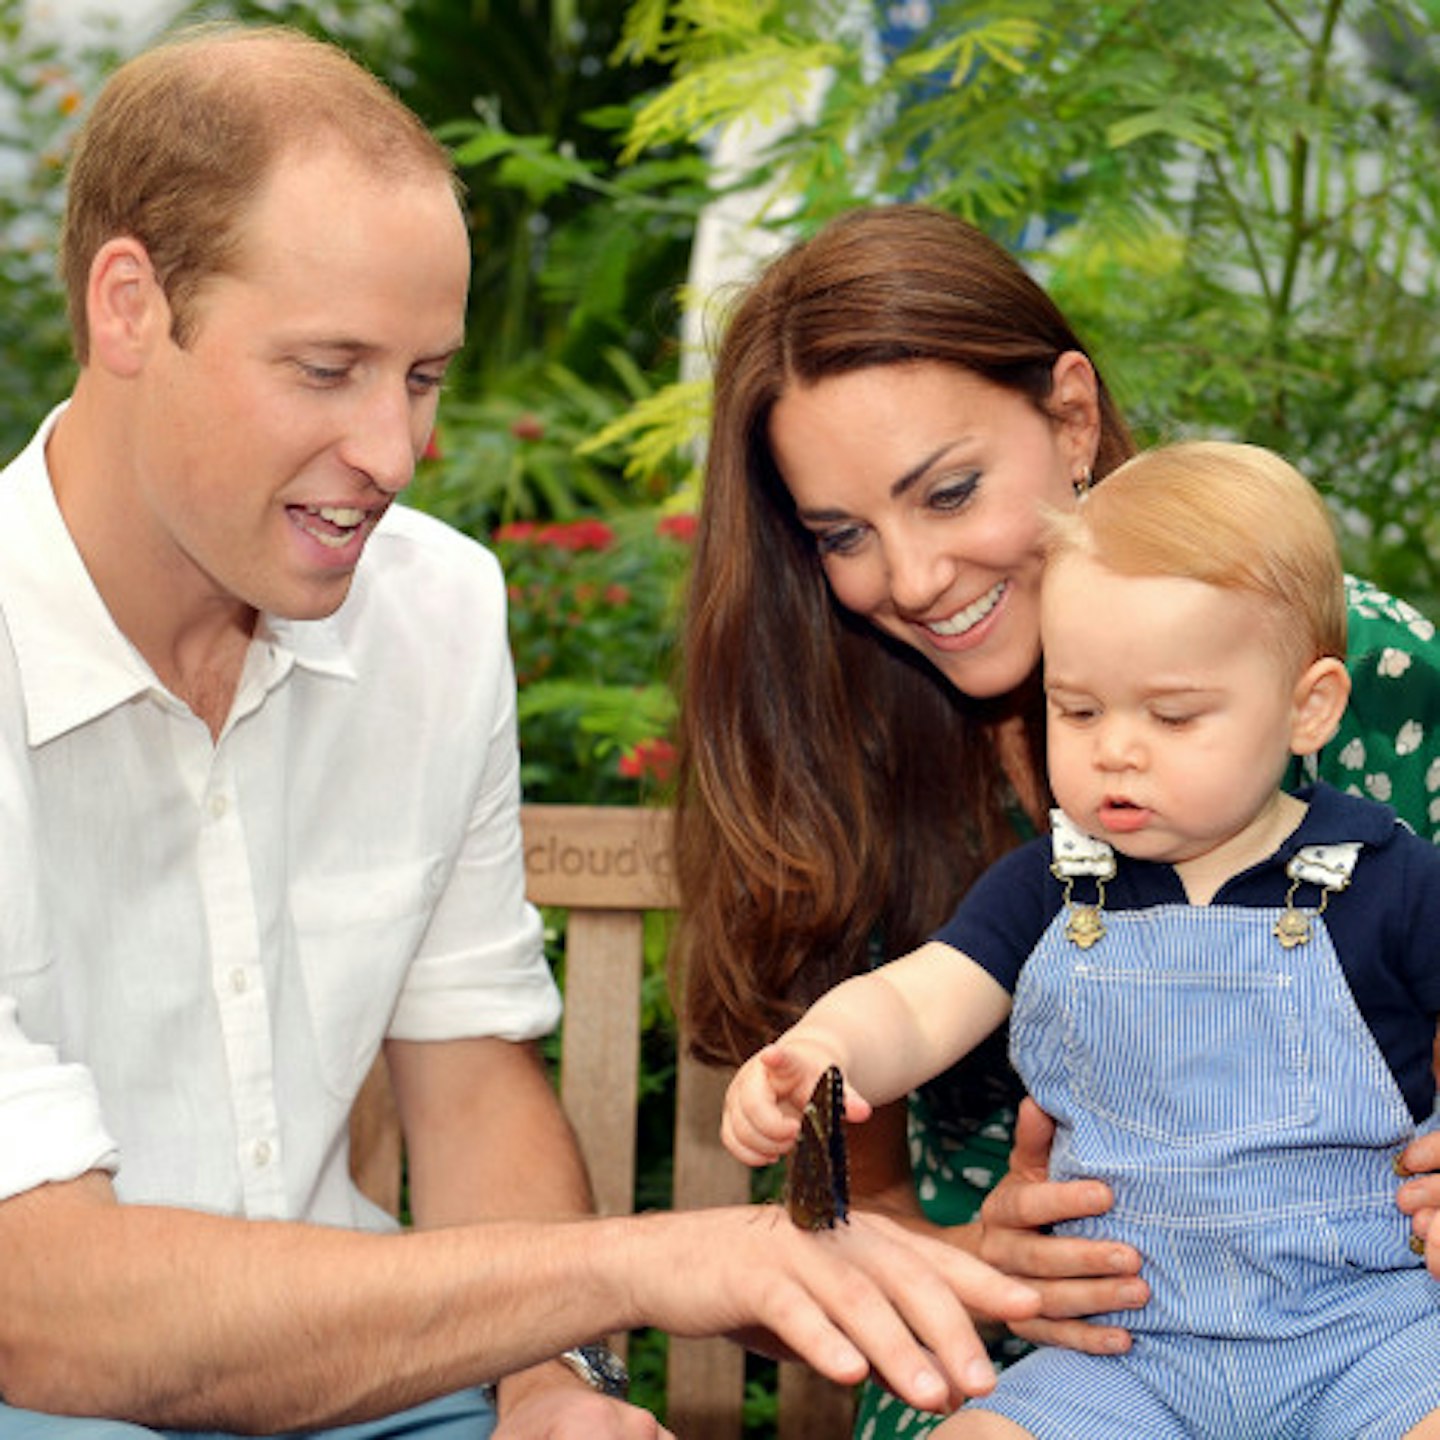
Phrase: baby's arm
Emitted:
{"points": [[887, 1031]]}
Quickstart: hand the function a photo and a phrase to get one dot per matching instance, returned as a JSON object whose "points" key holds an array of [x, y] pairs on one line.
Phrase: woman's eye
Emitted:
{"points": [[1174, 722], [955, 494], [838, 542]]}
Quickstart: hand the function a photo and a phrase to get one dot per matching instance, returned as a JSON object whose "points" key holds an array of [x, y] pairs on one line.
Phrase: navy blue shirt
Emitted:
{"points": [[1385, 926]]}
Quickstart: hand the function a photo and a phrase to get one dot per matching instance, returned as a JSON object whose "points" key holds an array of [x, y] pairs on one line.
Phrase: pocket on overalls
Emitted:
{"points": [[1191, 1058]]}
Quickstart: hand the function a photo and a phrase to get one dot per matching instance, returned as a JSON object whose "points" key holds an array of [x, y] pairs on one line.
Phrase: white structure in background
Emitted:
{"points": [[742, 229], [136, 21], [71, 24], [730, 247]]}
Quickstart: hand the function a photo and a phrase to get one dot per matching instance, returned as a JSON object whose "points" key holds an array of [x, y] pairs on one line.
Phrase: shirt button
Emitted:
{"points": [[239, 980], [218, 806], [260, 1154]]}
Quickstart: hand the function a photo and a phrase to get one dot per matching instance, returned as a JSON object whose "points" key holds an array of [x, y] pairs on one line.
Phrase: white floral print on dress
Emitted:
{"points": [[1394, 663]]}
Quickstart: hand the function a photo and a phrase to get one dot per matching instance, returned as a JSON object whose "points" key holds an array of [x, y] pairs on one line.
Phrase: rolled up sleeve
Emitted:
{"points": [[50, 1122]]}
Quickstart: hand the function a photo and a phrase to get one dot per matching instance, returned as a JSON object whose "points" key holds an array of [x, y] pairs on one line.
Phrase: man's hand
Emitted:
{"points": [[550, 1402], [867, 1295], [1075, 1278]]}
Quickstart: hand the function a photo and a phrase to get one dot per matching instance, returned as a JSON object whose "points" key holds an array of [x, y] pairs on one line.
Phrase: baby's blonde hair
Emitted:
{"points": [[1230, 515]]}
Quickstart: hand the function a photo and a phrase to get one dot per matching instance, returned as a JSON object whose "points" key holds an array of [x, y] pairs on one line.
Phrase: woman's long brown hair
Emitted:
{"points": [[833, 786]]}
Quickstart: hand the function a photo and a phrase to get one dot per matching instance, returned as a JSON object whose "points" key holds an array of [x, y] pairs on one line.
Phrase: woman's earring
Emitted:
{"points": [[1082, 482]]}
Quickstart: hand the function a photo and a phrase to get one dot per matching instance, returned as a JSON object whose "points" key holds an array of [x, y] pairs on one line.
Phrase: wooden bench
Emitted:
{"points": [[608, 866]]}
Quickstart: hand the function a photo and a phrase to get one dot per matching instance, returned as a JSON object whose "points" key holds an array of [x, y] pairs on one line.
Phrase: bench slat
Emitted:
{"points": [[600, 1050]]}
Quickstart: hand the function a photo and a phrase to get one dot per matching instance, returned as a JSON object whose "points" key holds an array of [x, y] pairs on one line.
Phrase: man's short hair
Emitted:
{"points": [[182, 137]]}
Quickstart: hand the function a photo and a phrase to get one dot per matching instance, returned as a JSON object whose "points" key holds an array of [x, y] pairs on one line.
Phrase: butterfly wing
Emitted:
{"points": [[817, 1190]]}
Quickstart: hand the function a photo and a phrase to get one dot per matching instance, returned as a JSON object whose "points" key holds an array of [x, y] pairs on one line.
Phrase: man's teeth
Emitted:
{"points": [[971, 615], [345, 519]]}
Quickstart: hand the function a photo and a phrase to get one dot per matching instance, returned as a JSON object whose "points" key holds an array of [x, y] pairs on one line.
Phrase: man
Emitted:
{"points": [[259, 808]]}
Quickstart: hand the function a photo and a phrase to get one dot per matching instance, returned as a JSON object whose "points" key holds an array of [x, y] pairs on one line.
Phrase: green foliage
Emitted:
{"points": [[565, 266], [42, 89], [592, 610], [517, 450], [656, 429], [1234, 201]]}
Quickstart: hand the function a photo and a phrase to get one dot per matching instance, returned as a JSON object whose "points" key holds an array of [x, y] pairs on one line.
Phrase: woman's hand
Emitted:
{"points": [[1419, 1197], [1075, 1278]]}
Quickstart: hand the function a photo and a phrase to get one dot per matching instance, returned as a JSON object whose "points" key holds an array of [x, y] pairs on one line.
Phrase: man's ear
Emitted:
{"points": [[1317, 703], [125, 307], [1074, 404]]}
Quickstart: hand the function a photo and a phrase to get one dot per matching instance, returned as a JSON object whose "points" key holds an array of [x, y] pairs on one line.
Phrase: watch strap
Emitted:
{"points": [[600, 1367]]}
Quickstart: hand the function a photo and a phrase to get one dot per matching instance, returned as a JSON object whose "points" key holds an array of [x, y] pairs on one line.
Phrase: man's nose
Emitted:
{"points": [[382, 444]]}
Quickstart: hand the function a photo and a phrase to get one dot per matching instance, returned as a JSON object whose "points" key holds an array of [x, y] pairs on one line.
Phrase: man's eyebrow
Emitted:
{"points": [[344, 345]]}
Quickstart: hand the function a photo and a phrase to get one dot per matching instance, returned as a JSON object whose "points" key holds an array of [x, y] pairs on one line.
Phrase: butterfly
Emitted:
{"points": [[817, 1187]]}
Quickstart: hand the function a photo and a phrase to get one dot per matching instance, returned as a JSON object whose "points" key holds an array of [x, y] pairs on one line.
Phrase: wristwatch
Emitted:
{"points": [[599, 1366]]}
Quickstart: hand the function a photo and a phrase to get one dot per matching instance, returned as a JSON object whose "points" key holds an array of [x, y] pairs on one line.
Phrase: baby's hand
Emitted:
{"points": [[766, 1099]]}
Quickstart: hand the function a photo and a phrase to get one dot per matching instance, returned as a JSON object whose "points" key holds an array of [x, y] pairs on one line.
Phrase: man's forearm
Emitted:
{"points": [[188, 1321], [195, 1322], [490, 1142]]}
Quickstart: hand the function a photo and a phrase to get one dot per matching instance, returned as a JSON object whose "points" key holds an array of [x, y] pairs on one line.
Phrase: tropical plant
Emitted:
{"points": [[1235, 201]]}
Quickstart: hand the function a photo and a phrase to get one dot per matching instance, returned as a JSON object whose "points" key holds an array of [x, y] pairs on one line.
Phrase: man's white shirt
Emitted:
{"points": [[203, 943]]}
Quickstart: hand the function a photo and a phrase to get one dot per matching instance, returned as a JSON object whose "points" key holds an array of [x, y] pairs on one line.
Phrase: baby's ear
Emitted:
{"points": [[1320, 696]]}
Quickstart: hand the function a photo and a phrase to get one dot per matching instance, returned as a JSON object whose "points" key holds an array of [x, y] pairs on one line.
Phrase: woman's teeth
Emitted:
{"points": [[970, 616]]}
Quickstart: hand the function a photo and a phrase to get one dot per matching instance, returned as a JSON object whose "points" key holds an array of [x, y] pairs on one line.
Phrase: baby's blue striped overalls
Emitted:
{"points": [[1227, 1088]]}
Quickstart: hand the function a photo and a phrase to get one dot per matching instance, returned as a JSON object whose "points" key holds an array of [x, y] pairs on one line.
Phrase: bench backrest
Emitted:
{"points": [[607, 866]]}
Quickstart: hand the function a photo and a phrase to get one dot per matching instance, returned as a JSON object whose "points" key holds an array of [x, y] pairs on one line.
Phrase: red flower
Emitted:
{"points": [[527, 427], [617, 594], [653, 759], [577, 535], [677, 527], [516, 530], [432, 446]]}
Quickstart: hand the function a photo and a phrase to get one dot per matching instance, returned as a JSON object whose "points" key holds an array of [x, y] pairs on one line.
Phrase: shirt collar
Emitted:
{"points": [[74, 662], [1334, 817]]}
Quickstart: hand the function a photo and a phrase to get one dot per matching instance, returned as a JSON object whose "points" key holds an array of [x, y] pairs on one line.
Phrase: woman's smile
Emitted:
{"points": [[925, 487], [964, 621]]}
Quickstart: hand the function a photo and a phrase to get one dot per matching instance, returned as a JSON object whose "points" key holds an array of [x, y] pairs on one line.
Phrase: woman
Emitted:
{"points": [[861, 727]]}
